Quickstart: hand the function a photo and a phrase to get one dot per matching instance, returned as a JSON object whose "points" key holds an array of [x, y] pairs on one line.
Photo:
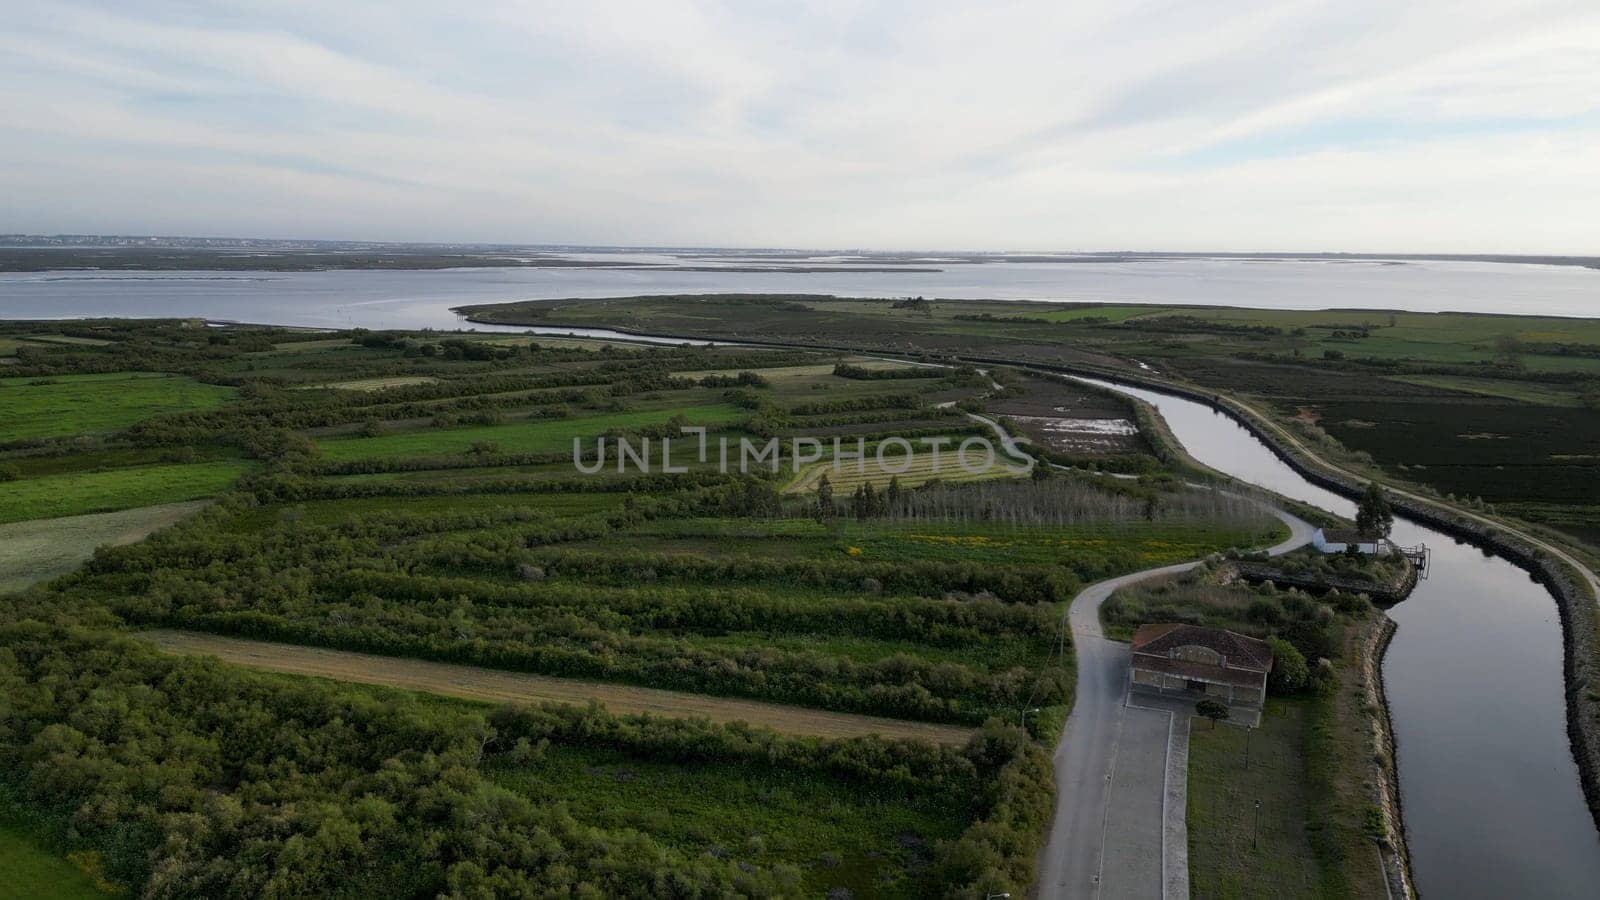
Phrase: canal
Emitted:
{"points": [[1490, 791]]}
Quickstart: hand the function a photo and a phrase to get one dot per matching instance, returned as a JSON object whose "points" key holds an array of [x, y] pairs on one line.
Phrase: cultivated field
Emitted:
{"points": [[920, 468], [803, 694]]}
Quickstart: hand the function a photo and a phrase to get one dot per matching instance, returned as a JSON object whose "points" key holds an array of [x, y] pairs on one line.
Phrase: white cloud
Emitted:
{"points": [[1352, 125]]}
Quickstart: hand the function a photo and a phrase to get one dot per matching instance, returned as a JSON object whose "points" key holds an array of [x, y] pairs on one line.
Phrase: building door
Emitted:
{"points": [[1196, 687]]}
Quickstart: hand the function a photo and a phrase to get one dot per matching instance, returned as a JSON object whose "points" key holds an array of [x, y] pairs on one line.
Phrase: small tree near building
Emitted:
{"points": [[1290, 674], [1373, 515], [1213, 710]]}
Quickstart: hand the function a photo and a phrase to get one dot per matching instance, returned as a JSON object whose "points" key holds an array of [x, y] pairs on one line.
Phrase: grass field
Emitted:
{"points": [[1311, 766], [544, 436], [1230, 854], [73, 494], [473, 683], [88, 404], [31, 871], [36, 551]]}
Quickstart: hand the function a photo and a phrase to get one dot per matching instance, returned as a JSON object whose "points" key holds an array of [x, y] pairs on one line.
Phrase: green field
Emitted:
{"points": [[86, 404], [30, 871], [54, 496], [541, 436]]}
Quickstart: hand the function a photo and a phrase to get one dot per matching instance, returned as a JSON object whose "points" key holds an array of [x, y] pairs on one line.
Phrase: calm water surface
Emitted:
{"points": [[422, 299]]}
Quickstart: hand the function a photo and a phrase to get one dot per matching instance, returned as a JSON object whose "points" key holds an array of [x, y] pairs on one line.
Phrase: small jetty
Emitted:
{"points": [[1418, 556]]}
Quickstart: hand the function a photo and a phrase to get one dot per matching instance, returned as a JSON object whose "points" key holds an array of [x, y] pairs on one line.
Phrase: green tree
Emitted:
{"points": [[1212, 710], [824, 510], [1290, 674], [1373, 515], [891, 496]]}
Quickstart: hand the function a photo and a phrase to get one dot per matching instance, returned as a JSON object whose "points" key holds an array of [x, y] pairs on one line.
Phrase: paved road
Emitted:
{"points": [[1106, 839]]}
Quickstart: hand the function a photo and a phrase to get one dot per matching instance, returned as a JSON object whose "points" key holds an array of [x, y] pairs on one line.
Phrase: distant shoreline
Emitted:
{"points": [[35, 253]]}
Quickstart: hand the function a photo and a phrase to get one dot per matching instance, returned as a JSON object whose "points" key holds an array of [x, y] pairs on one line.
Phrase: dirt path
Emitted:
{"points": [[473, 683]]}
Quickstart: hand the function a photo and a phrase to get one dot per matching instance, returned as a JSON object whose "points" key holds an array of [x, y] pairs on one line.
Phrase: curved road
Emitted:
{"points": [[1072, 863]]}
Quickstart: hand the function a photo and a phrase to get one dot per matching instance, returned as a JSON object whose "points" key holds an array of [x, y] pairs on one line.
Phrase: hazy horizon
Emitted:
{"points": [[79, 238]]}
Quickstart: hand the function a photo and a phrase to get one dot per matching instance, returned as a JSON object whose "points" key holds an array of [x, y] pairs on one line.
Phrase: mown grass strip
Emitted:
{"points": [[473, 683], [31, 552], [77, 493]]}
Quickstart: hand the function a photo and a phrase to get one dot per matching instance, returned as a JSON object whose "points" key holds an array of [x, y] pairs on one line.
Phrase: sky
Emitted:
{"points": [[1294, 125]]}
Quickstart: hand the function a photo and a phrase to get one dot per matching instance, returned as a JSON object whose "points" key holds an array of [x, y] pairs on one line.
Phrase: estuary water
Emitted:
{"points": [[422, 299]]}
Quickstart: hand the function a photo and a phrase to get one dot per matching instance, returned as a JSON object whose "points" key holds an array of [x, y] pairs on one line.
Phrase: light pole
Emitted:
{"points": [[1248, 730], [1254, 834], [1025, 717]]}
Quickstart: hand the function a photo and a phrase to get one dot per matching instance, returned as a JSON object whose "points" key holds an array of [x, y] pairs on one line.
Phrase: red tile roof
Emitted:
{"points": [[1199, 671], [1347, 536], [1241, 652]]}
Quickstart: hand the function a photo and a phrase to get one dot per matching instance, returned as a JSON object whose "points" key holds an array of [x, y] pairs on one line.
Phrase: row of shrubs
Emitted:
{"points": [[714, 609], [1011, 583]]}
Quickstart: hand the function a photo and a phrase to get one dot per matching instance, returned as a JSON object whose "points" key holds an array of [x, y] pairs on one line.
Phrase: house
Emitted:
{"points": [[1337, 540], [1201, 662]]}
